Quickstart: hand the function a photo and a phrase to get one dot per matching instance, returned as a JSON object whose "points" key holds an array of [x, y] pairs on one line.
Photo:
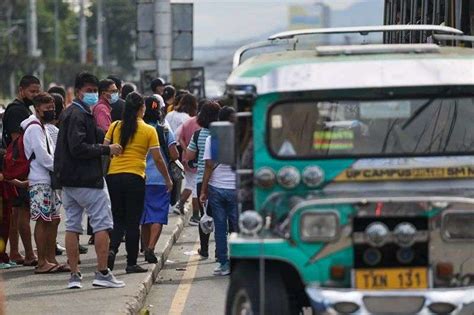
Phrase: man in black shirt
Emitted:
{"points": [[119, 105], [15, 113]]}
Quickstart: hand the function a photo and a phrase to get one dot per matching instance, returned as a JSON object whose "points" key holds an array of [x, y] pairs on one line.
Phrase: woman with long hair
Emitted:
{"points": [[157, 198], [187, 108], [169, 95], [126, 177]]}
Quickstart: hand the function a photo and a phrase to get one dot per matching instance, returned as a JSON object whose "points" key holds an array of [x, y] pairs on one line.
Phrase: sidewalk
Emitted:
{"points": [[27, 293]]}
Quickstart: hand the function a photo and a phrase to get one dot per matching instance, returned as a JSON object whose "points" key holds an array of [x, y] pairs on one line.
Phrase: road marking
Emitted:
{"points": [[182, 293]]}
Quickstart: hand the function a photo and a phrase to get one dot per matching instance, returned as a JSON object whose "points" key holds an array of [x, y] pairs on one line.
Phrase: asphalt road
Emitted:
{"points": [[186, 284]]}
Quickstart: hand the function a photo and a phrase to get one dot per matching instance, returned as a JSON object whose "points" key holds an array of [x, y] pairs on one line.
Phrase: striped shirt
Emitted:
{"points": [[201, 146]]}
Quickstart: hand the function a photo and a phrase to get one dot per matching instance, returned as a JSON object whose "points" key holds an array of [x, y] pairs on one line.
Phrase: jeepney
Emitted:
{"points": [[356, 173]]}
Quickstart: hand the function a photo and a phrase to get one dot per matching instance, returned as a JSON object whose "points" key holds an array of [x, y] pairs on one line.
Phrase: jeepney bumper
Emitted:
{"points": [[420, 302]]}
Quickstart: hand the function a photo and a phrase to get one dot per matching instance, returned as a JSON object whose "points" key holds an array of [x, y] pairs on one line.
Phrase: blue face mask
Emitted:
{"points": [[90, 99], [114, 97]]}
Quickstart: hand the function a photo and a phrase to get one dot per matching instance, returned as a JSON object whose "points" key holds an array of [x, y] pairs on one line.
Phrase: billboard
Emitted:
{"points": [[308, 16]]}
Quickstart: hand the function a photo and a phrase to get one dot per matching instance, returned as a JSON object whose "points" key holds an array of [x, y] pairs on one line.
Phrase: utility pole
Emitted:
{"points": [[32, 30], [163, 38], [100, 34], [56, 39], [82, 32]]}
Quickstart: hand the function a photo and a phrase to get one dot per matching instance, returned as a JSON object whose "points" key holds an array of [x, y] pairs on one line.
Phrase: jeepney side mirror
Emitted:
{"points": [[223, 143]]}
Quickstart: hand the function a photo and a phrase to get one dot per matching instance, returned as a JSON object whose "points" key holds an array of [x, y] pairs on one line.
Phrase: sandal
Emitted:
{"points": [[32, 263], [63, 268], [53, 269]]}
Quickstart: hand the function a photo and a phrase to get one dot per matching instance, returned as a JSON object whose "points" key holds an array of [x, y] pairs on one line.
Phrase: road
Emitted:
{"points": [[186, 284]]}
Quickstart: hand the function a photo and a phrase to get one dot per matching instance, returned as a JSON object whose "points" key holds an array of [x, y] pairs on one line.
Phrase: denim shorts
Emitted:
{"points": [[95, 202]]}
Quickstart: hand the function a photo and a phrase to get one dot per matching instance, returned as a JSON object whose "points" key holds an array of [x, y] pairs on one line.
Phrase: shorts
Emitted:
{"points": [[157, 201], [96, 203], [22, 200], [190, 179], [44, 203]]}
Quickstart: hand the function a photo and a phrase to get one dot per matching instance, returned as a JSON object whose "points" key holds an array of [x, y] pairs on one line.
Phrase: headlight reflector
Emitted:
{"points": [[265, 178], [313, 176], [457, 225], [319, 226], [405, 234], [289, 177], [377, 234], [250, 222]]}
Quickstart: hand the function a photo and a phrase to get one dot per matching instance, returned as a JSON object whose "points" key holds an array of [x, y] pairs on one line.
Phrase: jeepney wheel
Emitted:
{"points": [[243, 295]]}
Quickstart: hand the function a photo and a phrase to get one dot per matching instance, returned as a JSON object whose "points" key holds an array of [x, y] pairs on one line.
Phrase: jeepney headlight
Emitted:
{"points": [[319, 226], [457, 225], [405, 234], [313, 176], [265, 178], [377, 234], [250, 222], [289, 177]]}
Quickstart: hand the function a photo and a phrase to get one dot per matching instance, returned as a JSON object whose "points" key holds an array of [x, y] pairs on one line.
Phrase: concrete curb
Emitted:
{"points": [[136, 303]]}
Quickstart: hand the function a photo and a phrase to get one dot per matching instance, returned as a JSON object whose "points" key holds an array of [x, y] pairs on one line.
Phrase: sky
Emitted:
{"points": [[218, 21]]}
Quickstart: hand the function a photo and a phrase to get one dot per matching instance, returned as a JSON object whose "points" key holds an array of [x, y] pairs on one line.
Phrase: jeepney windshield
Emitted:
{"points": [[403, 127]]}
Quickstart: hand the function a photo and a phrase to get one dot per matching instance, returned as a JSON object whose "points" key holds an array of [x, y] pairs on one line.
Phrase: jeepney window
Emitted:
{"points": [[372, 128]]}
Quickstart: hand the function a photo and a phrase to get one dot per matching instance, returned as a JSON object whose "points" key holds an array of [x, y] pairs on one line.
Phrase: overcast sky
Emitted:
{"points": [[224, 20]]}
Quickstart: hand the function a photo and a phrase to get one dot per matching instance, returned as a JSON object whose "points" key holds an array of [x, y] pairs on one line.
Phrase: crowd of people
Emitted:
{"points": [[124, 159]]}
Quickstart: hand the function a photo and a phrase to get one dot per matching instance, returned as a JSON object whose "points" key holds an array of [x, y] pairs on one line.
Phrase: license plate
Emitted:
{"points": [[391, 278]]}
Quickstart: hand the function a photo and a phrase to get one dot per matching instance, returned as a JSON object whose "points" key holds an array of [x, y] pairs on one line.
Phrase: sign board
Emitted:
{"points": [[182, 31], [308, 16]]}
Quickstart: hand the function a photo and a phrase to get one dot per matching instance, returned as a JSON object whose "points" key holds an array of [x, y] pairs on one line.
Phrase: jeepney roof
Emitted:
{"points": [[305, 70]]}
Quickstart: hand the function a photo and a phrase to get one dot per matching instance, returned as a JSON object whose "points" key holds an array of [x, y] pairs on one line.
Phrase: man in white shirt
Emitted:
{"points": [[219, 189], [44, 203]]}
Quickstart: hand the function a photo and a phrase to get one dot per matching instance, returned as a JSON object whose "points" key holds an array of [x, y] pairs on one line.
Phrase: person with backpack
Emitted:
{"points": [[44, 203], [208, 114], [15, 113], [126, 177], [157, 198]]}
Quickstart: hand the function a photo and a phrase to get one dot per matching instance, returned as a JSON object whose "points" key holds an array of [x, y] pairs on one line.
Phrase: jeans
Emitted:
{"points": [[224, 212], [127, 194]]}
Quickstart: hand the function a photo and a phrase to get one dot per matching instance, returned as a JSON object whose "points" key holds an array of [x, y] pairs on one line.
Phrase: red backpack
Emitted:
{"points": [[15, 164]]}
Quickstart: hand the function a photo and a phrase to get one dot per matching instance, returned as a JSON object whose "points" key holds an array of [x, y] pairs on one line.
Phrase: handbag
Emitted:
{"points": [[206, 222]]}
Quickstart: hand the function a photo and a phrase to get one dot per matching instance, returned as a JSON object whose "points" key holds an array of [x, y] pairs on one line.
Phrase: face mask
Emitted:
{"points": [[90, 99], [114, 97], [49, 116]]}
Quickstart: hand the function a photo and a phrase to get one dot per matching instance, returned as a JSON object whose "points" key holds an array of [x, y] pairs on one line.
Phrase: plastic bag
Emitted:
{"points": [[206, 222]]}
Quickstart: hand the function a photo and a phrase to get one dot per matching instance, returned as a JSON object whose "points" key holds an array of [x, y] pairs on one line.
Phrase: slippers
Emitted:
{"points": [[53, 269], [31, 263], [63, 268]]}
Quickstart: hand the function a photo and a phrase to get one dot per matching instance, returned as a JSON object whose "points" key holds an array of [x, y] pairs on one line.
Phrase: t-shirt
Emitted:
{"points": [[222, 176], [15, 113], [203, 134], [176, 119], [153, 176], [133, 159]]}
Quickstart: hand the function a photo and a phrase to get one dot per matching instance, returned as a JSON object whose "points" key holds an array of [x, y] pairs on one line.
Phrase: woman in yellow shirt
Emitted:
{"points": [[126, 177]]}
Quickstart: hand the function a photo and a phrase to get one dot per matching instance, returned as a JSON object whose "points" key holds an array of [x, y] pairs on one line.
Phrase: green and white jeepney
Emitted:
{"points": [[356, 171]]}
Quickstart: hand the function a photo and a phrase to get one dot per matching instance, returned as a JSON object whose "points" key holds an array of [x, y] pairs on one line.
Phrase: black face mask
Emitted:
{"points": [[27, 101], [49, 116]]}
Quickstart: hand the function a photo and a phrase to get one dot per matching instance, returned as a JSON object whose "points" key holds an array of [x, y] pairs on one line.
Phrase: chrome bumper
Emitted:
{"points": [[391, 302]]}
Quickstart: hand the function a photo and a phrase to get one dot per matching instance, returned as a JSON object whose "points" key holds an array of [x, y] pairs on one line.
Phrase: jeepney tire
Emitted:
{"points": [[244, 287]]}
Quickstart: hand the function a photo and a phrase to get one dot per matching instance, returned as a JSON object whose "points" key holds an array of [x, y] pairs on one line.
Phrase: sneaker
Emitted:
{"points": [[59, 250], [75, 281], [107, 281], [135, 269], [111, 260], [203, 254], [178, 208], [150, 256], [194, 221], [83, 250], [222, 270], [13, 264], [4, 266]]}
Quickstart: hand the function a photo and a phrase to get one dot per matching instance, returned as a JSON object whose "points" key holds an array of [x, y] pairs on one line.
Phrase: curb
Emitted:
{"points": [[136, 303]]}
